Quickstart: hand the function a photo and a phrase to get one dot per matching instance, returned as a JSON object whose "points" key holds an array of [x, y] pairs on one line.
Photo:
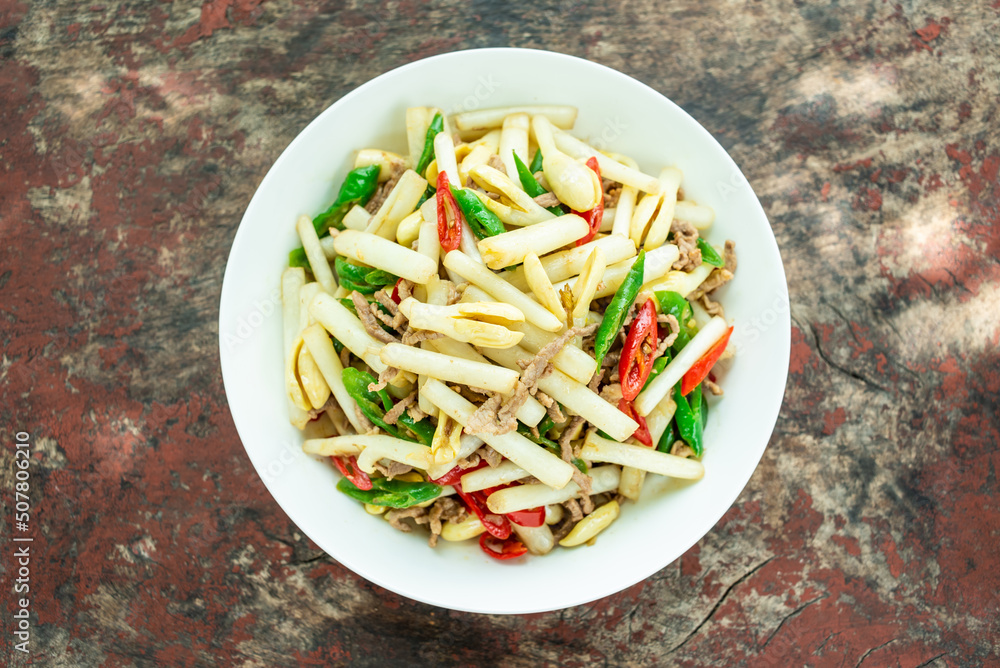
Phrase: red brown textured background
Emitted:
{"points": [[132, 136]]}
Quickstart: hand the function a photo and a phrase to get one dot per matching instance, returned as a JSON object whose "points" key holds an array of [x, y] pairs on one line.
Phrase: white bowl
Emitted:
{"points": [[616, 112]]}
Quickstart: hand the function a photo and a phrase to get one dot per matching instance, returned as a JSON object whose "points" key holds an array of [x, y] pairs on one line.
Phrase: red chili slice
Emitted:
{"points": [[501, 549], [642, 433], [455, 475], [348, 466], [449, 215], [595, 216], [495, 525], [699, 370], [635, 365], [395, 292], [532, 517]]}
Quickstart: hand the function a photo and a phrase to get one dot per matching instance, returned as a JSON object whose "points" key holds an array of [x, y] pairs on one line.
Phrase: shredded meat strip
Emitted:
{"points": [[526, 386], [612, 192], [396, 515], [612, 393], [537, 367], [551, 406], [546, 200], [366, 426], [671, 322], [508, 408], [496, 163], [584, 482], [382, 192], [412, 337], [729, 256], [442, 510], [595, 381], [570, 433], [405, 288], [573, 506], [393, 470], [384, 379], [492, 457], [711, 306], [686, 239], [385, 299], [560, 530], [715, 280], [483, 421], [413, 410], [383, 317], [611, 359], [681, 449], [396, 411], [468, 462], [455, 292], [316, 412], [712, 387], [371, 325]]}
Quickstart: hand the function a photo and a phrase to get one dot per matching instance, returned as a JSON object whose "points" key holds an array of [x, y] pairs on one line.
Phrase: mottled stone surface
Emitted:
{"points": [[132, 136]]}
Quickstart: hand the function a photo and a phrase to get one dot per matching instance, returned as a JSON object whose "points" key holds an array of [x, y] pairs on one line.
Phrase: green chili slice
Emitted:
{"points": [[483, 222], [357, 188], [709, 255], [391, 493], [541, 439], [536, 162], [668, 438], [357, 383], [423, 429], [617, 310], [546, 424], [530, 184], [363, 279], [528, 180], [379, 278], [297, 258], [689, 421], [436, 126]]}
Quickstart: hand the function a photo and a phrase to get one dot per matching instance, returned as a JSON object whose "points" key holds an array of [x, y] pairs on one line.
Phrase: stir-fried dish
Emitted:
{"points": [[500, 334]]}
